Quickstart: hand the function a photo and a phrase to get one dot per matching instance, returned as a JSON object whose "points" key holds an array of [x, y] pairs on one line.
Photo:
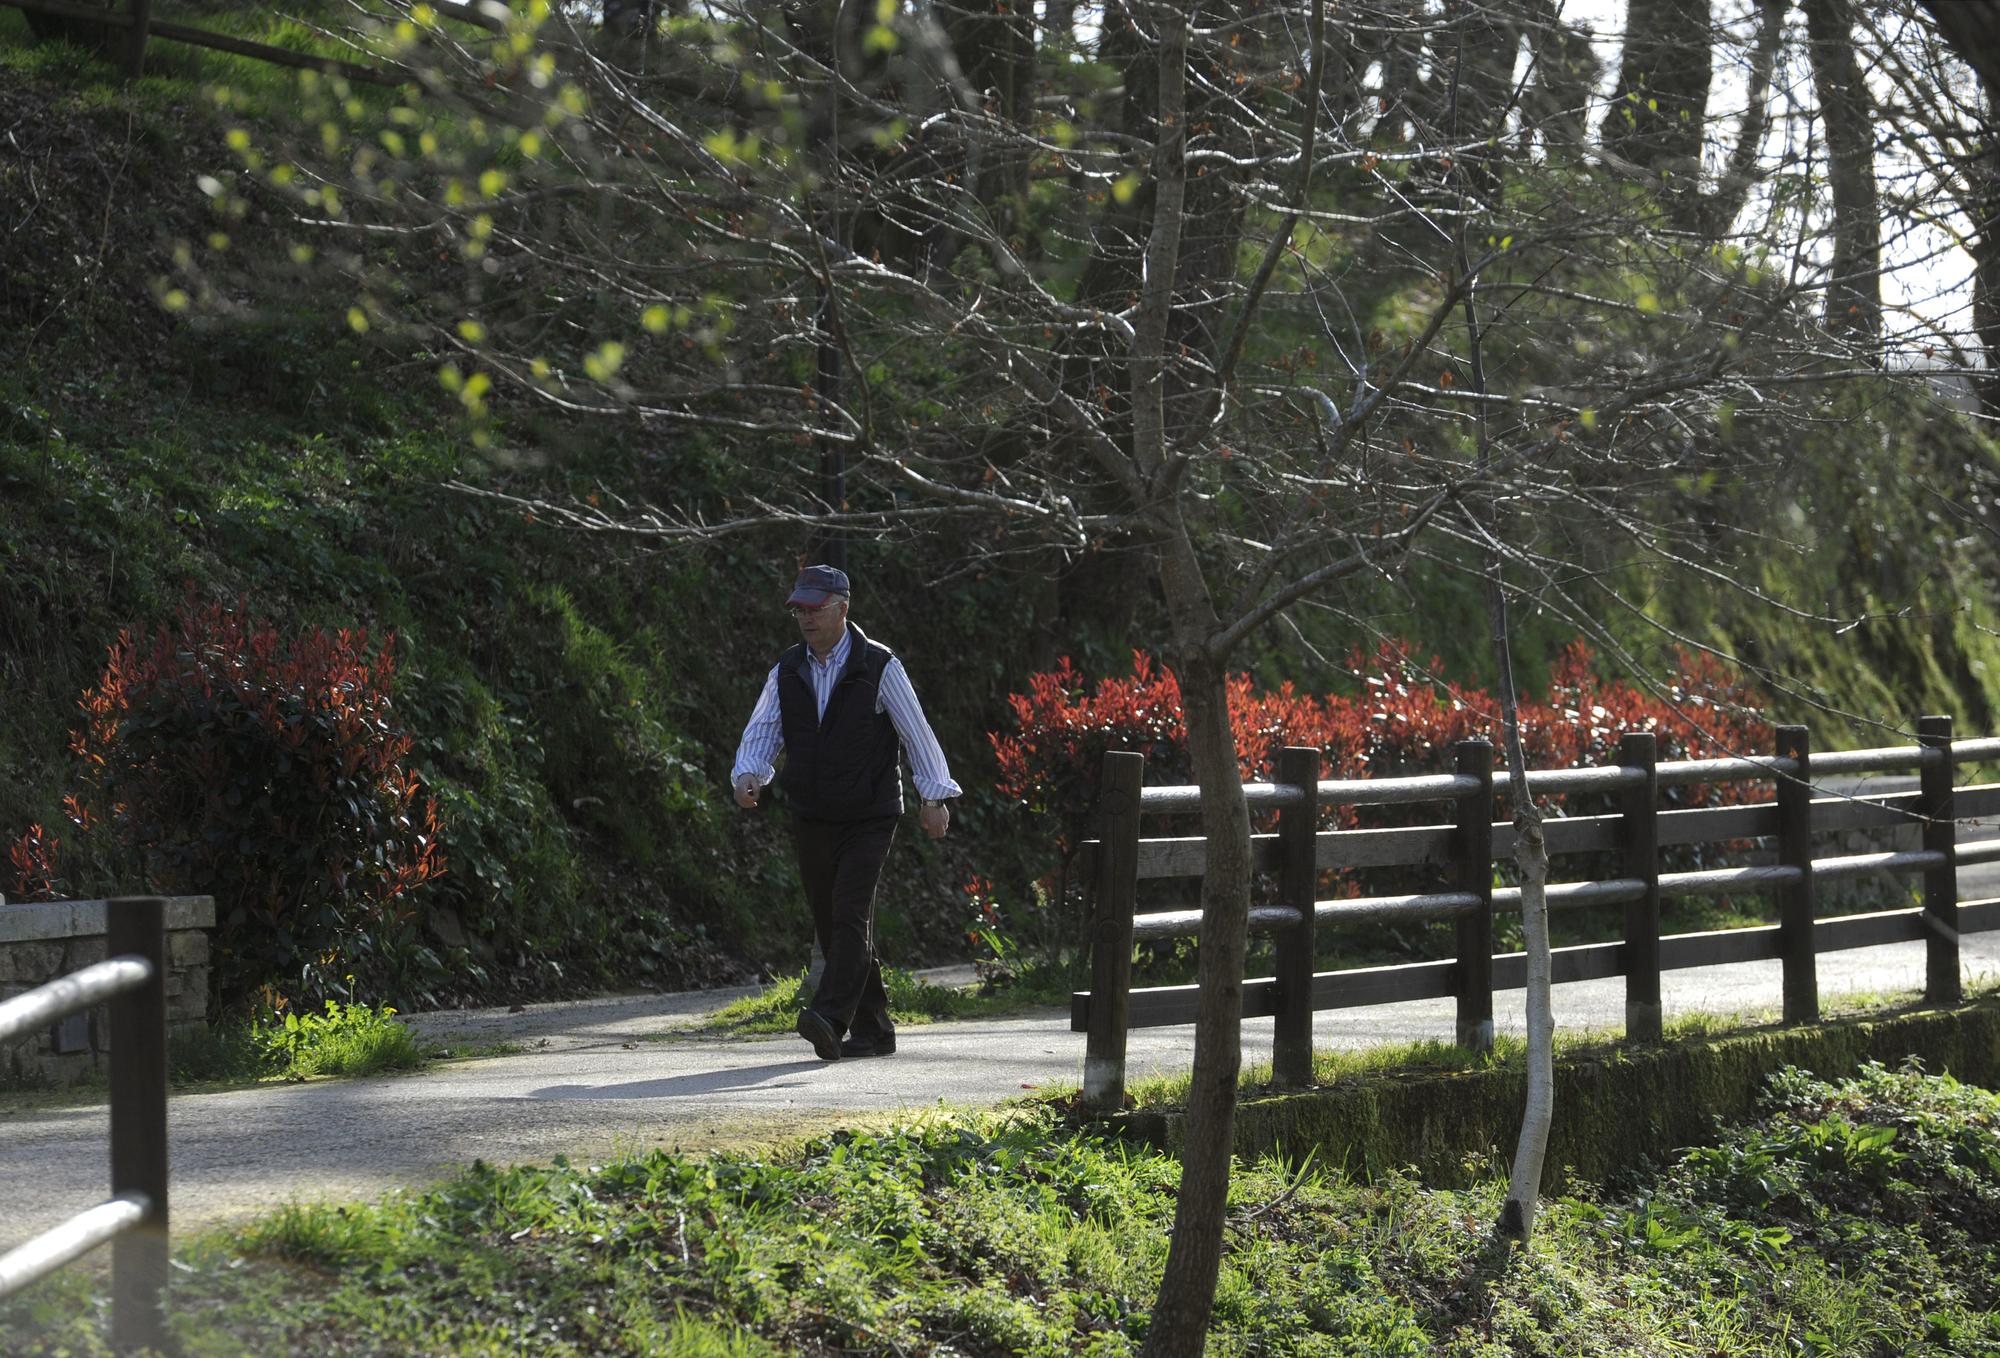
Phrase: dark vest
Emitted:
{"points": [[846, 766]]}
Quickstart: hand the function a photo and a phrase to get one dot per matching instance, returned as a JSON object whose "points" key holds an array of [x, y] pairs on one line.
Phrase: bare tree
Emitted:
{"points": [[1854, 293], [1188, 300]]}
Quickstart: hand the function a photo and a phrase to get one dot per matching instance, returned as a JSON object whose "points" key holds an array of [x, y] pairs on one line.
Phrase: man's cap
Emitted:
{"points": [[817, 584]]}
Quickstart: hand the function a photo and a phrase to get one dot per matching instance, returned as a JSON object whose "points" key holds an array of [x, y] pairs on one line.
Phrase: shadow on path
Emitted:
{"points": [[681, 1086]]}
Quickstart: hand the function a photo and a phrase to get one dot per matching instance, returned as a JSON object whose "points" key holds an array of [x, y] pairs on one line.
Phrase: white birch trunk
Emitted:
{"points": [[1524, 1186]]}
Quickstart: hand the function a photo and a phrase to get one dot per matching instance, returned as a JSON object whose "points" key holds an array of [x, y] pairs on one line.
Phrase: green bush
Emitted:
{"points": [[268, 772]]}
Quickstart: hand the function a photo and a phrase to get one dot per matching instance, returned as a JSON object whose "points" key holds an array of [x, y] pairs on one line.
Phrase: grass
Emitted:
{"points": [[912, 1000], [984, 1235], [1333, 1065]]}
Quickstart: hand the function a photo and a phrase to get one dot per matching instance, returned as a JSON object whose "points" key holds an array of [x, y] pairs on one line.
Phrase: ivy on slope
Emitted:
{"points": [[575, 701]]}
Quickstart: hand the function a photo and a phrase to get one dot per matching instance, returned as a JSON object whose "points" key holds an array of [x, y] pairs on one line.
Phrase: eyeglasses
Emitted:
{"points": [[807, 610]]}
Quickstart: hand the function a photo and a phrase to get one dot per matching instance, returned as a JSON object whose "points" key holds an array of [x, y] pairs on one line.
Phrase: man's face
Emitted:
{"points": [[821, 626]]}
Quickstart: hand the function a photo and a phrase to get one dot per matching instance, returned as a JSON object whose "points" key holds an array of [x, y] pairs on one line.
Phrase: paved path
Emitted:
{"points": [[625, 1074]]}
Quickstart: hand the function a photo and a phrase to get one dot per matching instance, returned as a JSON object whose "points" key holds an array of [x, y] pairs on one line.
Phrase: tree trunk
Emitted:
{"points": [[1194, 1259], [995, 45], [1722, 207], [1558, 98], [1986, 280], [1659, 108], [1973, 30], [1517, 1215], [1480, 48], [1531, 855], [1854, 292], [1059, 20], [1110, 587]]}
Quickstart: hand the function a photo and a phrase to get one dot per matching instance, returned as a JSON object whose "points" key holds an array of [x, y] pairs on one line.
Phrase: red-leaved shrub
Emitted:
{"points": [[31, 868], [1405, 720], [268, 773]]}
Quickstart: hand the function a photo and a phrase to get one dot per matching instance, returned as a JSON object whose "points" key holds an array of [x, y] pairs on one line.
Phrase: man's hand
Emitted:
{"points": [[747, 792], [935, 819]]}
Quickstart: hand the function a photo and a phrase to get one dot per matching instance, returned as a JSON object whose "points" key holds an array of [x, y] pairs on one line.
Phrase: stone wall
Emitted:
{"points": [[40, 942]]}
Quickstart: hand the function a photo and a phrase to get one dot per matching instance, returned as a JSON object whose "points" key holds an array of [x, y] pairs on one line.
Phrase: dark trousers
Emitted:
{"points": [[839, 861]]}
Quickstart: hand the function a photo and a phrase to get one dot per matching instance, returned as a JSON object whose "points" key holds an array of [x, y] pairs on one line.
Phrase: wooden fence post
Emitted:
{"points": [[1797, 904], [1640, 829], [135, 38], [1941, 978], [1298, 875], [1111, 931], [136, 926], [1473, 854]]}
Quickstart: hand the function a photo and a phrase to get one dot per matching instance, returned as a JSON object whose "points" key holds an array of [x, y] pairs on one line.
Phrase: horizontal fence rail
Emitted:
{"points": [[132, 984], [71, 994], [1119, 858], [70, 1241]]}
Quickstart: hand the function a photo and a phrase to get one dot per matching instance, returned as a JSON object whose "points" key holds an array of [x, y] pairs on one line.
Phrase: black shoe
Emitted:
{"points": [[816, 1030], [884, 1045]]}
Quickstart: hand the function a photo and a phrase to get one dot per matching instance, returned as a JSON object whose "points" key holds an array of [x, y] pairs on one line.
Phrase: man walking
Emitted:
{"points": [[842, 708]]}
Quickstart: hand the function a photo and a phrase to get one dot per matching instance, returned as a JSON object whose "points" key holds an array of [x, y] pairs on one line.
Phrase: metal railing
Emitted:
{"points": [[132, 985], [1465, 844]]}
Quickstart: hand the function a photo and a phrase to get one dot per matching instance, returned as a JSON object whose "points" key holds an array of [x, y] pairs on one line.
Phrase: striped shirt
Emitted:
{"points": [[764, 734]]}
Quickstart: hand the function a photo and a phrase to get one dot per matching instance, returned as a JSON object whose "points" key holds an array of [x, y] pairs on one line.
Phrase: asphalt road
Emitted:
{"points": [[622, 1074]]}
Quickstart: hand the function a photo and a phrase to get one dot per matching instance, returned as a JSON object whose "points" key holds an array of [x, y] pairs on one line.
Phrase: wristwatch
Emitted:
{"points": [[935, 801]]}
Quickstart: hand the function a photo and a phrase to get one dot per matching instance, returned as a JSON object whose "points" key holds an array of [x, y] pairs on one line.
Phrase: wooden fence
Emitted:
{"points": [[1466, 842], [134, 1220]]}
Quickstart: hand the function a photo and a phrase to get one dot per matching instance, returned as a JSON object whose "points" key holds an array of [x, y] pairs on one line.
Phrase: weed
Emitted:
{"points": [[345, 1039], [348, 1039]]}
